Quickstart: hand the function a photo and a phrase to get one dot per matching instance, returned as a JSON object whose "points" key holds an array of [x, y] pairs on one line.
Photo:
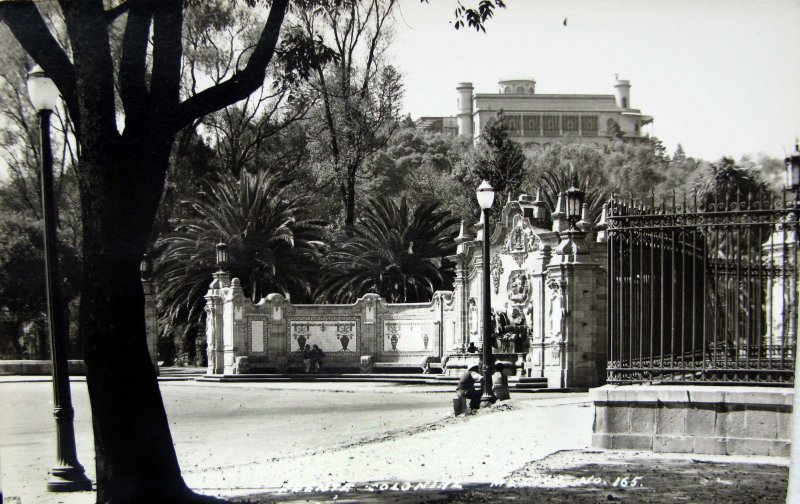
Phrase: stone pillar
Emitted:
{"points": [[275, 350], [461, 290], [370, 304], [233, 333], [151, 321], [576, 334], [214, 330], [534, 361], [214, 325], [781, 304]]}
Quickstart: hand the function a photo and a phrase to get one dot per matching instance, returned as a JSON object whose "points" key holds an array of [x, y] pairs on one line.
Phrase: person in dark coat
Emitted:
{"points": [[466, 387], [316, 357]]}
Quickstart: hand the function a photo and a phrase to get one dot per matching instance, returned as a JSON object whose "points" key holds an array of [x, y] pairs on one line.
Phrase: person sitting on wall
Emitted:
{"points": [[472, 348], [466, 387], [316, 357], [307, 358]]}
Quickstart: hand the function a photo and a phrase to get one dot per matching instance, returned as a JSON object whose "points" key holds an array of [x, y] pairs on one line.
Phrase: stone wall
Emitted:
{"points": [[693, 419], [370, 333]]}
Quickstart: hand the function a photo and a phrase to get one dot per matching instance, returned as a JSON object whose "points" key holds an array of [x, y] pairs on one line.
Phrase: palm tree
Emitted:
{"points": [[555, 181], [393, 250], [726, 185], [271, 246]]}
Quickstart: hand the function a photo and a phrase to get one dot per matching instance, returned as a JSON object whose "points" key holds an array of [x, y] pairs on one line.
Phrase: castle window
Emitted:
{"points": [[624, 102], [531, 125], [569, 123], [520, 90], [551, 125], [589, 125], [511, 123]]}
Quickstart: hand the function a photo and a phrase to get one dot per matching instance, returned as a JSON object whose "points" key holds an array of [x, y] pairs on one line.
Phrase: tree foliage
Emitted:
{"points": [[22, 284], [394, 250], [635, 168], [359, 92], [272, 245], [549, 172], [496, 158]]}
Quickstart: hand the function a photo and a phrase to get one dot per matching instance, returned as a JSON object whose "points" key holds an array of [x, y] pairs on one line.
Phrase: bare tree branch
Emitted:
{"points": [[133, 63], [242, 83], [115, 12]]}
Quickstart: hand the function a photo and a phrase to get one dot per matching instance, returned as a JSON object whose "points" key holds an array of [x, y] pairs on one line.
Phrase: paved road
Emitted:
{"points": [[217, 425]]}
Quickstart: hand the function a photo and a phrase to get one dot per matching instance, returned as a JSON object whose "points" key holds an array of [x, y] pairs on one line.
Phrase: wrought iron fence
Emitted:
{"points": [[702, 293]]}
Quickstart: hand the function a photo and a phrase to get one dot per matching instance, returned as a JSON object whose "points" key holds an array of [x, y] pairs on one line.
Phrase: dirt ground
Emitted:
{"points": [[578, 477]]}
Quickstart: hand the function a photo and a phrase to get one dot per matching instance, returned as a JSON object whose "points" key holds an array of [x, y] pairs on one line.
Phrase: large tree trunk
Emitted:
{"points": [[135, 456]]}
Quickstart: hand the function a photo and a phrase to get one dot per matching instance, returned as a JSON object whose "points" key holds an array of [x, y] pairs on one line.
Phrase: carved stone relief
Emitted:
{"points": [[212, 344], [518, 287], [521, 240], [556, 316], [472, 320], [496, 268]]}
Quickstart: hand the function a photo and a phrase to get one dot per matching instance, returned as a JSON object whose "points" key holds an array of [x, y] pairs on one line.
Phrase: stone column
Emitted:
{"points": [[369, 305], [214, 326], [460, 288], [233, 334], [576, 334], [534, 361], [781, 304], [275, 350]]}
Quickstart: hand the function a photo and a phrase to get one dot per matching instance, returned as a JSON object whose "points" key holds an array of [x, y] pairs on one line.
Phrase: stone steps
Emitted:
{"points": [[516, 384]]}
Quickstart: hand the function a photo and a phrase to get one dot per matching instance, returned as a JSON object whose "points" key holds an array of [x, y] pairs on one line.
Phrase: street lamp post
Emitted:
{"points": [[68, 475], [485, 196]]}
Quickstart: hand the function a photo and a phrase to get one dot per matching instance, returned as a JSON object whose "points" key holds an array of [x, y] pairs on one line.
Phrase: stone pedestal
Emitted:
{"points": [[693, 419], [233, 336], [574, 348]]}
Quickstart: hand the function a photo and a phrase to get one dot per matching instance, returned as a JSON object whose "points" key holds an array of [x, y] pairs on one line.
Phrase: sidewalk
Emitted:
{"points": [[525, 449], [528, 448]]}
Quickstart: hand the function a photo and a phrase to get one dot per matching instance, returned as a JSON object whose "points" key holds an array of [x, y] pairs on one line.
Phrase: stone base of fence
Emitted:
{"points": [[693, 419]]}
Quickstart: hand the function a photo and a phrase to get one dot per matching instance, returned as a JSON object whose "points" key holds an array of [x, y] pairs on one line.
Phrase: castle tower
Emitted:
{"points": [[465, 109], [622, 90]]}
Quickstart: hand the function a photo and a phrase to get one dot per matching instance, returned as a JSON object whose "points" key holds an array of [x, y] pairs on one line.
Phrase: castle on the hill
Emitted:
{"points": [[542, 118]]}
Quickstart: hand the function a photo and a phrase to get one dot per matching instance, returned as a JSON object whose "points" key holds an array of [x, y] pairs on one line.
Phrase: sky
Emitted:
{"points": [[719, 77]]}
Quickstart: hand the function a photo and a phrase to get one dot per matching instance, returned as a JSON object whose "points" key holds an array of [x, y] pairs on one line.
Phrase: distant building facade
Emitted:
{"points": [[543, 118]]}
